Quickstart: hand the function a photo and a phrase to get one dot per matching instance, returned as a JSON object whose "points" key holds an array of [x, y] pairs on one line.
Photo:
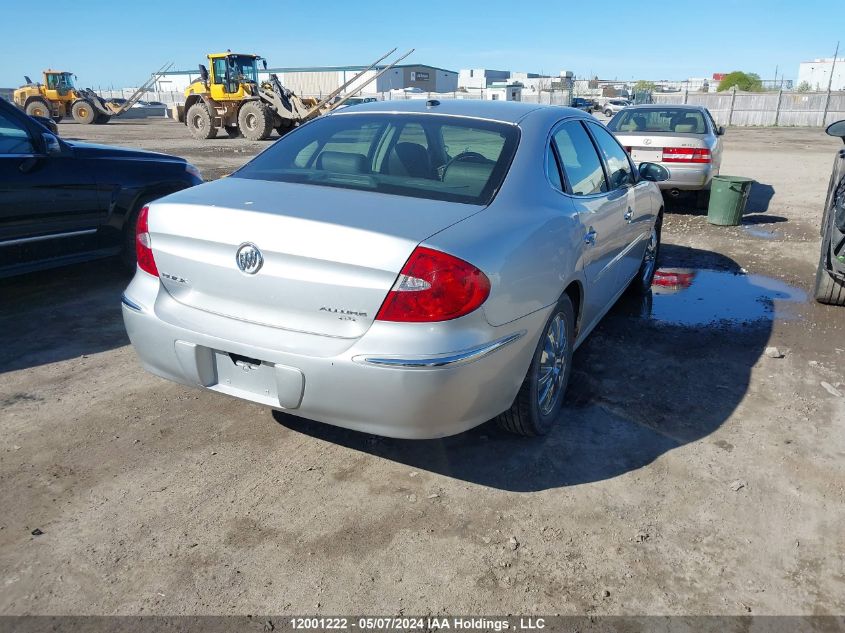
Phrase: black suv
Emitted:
{"points": [[830, 276], [63, 202]]}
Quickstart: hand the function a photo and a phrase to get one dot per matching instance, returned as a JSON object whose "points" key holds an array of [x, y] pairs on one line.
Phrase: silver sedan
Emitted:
{"points": [[406, 269], [683, 138]]}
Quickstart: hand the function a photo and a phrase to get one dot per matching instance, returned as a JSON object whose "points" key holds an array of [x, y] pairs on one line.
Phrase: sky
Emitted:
{"points": [[118, 44]]}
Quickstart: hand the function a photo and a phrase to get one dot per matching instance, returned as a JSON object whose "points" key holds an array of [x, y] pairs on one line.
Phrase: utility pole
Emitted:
{"points": [[829, 85]]}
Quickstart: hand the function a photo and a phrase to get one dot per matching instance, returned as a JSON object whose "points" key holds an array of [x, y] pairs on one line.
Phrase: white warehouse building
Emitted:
{"points": [[319, 81], [817, 73]]}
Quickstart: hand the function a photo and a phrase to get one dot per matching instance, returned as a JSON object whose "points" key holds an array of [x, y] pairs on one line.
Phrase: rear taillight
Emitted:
{"points": [[686, 155], [434, 286], [143, 244]]}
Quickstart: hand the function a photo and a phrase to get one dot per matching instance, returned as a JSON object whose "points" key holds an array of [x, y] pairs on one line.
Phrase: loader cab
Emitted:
{"points": [[233, 76], [59, 82]]}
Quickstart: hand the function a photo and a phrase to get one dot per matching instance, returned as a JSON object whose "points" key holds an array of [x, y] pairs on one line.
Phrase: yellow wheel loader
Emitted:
{"points": [[229, 95], [57, 97]]}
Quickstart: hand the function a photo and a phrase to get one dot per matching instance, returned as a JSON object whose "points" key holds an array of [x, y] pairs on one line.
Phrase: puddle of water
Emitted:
{"points": [[690, 296], [762, 233]]}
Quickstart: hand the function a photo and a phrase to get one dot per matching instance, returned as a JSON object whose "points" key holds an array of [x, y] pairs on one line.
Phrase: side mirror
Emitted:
{"points": [[837, 129], [653, 172], [264, 63], [203, 73], [720, 131], [51, 144]]}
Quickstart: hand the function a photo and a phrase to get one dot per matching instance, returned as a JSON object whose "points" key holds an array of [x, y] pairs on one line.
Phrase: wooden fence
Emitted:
{"points": [[785, 109]]}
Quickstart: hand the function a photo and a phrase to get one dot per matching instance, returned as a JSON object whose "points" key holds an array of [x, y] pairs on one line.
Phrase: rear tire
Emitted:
{"points": [[531, 414], [608, 113], [200, 123], [233, 131], [702, 199], [255, 120], [828, 289], [83, 112], [641, 284], [38, 107]]}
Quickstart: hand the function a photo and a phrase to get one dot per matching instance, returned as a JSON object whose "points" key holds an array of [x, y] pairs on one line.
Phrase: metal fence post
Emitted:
{"points": [[686, 94], [731, 113], [777, 109]]}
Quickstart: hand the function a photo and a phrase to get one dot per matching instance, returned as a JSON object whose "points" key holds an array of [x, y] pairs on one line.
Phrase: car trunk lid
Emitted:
{"points": [[330, 255]]}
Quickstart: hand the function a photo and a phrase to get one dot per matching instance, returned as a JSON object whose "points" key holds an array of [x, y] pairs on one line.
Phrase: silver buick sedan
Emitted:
{"points": [[406, 269]]}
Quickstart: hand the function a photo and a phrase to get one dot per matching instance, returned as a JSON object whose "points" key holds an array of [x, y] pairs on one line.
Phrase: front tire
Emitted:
{"points": [[608, 113], [83, 112], [255, 120], [540, 399], [200, 123], [828, 289]]}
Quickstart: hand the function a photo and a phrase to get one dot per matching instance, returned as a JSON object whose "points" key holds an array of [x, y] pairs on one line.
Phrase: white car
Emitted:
{"points": [[612, 106]]}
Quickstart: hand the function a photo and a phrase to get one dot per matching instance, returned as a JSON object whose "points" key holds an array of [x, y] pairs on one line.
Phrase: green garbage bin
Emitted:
{"points": [[728, 196]]}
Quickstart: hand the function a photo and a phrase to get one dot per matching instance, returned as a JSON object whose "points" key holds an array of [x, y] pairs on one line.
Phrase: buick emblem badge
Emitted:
{"points": [[249, 258]]}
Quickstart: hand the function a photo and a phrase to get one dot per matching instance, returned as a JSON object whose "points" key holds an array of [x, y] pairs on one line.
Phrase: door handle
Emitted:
{"points": [[629, 215], [590, 237]]}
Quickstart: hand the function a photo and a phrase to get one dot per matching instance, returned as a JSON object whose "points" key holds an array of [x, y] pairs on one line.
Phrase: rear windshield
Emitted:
{"points": [[659, 120], [421, 156]]}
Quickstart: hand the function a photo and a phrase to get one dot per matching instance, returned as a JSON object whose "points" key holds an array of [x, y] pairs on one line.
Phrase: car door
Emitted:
{"points": [[47, 203], [636, 209], [599, 211]]}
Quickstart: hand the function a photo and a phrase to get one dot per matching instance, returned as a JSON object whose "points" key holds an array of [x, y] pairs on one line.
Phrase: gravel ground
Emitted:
{"points": [[692, 472]]}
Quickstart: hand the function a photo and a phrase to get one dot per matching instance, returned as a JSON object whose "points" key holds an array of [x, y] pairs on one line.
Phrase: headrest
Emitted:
{"points": [[343, 162], [471, 176]]}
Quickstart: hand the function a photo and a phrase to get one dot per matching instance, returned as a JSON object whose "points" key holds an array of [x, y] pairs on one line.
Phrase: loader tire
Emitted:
{"points": [[232, 130], [255, 120], [200, 123], [38, 107], [83, 112]]}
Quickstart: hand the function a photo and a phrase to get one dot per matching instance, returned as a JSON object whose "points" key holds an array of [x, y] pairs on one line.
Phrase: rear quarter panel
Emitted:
{"points": [[528, 241]]}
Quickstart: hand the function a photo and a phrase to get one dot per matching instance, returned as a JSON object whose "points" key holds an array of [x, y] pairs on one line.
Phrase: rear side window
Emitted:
{"points": [[446, 158], [619, 169], [579, 160]]}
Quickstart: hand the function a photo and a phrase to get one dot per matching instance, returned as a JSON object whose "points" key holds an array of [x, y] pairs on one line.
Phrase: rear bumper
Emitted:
{"points": [[430, 382], [688, 177]]}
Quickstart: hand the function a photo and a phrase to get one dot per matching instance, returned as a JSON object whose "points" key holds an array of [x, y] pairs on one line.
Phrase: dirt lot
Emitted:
{"points": [[690, 473]]}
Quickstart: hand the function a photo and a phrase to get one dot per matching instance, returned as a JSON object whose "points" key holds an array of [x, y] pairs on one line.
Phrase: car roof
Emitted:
{"points": [[505, 111], [672, 106]]}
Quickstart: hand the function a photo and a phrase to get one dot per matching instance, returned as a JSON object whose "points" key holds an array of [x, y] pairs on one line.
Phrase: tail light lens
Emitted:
{"points": [[143, 244], [686, 155], [434, 286]]}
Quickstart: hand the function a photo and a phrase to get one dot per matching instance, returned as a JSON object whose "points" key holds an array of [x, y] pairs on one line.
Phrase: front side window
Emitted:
{"points": [[13, 137], [244, 69], [421, 156], [579, 159], [620, 172]]}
